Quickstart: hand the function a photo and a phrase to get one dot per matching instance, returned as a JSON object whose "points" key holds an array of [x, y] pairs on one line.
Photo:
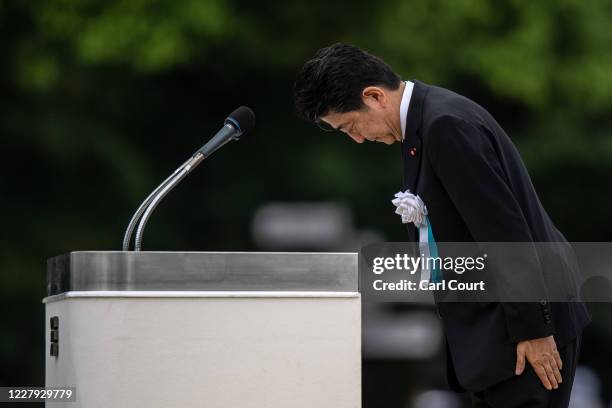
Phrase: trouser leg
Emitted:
{"points": [[527, 391]]}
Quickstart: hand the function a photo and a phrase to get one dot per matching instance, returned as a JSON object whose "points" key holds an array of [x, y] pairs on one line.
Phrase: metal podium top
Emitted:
{"points": [[202, 271]]}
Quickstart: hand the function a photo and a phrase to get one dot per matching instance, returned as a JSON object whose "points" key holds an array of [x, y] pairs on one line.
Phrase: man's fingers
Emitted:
{"points": [[556, 372], [558, 359], [551, 374], [541, 372], [520, 362]]}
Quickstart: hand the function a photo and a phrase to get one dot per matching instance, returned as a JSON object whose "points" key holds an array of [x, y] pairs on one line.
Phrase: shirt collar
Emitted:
{"points": [[404, 106]]}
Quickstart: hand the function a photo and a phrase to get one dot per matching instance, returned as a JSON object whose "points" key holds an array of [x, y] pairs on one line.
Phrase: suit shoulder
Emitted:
{"points": [[445, 107]]}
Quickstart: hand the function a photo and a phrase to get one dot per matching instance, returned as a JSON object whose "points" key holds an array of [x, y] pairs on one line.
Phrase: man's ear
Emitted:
{"points": [[374, 96]]}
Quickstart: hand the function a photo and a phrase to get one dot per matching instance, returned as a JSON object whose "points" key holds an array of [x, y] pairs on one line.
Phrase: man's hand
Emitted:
{"points": [[543, 356]]}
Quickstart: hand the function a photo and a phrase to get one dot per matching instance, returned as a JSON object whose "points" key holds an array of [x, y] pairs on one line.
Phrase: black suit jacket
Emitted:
{"points": [[459, 160]]}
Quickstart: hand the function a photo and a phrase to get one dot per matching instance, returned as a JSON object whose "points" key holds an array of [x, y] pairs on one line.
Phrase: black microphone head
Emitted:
{"points": [[242, 118]]}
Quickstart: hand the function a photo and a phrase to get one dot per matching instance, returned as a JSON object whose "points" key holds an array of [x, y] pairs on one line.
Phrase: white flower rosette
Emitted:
{"points": [[412, 209]]}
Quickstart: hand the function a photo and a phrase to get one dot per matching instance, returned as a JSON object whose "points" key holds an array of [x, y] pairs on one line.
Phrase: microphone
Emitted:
{"points": [[239, 122]]}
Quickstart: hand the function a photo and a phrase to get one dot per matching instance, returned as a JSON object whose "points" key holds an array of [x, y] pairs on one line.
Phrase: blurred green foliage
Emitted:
{"points": [[100, 100]]}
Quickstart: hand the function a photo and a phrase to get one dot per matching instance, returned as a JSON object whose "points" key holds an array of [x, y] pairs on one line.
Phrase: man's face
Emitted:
{"points": [[371, 123]]}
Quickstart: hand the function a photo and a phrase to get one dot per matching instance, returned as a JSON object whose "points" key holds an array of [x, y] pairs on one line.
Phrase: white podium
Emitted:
{"points": [[204, 329]]}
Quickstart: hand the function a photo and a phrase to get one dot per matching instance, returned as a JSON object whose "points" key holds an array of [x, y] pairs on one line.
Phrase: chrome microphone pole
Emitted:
{"points": [[130, 229], [231, 130], [164, 189]]}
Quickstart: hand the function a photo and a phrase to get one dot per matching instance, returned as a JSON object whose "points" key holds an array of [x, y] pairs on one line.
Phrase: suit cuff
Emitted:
{"points": [[527, 321]]}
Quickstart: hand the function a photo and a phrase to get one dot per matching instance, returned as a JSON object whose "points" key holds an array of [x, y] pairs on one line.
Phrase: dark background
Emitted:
{"points": [[101, 100]]}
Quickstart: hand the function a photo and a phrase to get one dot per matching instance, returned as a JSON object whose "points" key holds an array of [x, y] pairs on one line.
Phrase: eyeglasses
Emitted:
{"points": [[326, 127]]}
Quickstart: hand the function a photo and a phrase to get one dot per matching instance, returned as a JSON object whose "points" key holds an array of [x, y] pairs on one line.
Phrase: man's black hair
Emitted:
{"points": [[334, 79]]}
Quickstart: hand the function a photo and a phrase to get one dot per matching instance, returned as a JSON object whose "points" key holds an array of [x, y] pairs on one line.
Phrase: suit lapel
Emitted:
{"points": [[412, 143]]}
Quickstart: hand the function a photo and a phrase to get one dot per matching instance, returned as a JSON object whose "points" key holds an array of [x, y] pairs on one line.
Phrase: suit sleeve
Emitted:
{"points": [[466, 163]]}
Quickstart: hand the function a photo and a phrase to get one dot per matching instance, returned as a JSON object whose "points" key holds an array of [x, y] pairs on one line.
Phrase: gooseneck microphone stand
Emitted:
{"points": [[230, 131], [148, 205]]}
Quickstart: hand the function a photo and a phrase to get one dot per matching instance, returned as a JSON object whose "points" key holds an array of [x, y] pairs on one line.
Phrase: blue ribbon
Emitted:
{"points": [[436, 274], [427, 244]]}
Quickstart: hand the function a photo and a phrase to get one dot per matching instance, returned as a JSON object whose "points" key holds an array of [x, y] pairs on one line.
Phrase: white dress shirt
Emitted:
{"points": [[404, 106]]}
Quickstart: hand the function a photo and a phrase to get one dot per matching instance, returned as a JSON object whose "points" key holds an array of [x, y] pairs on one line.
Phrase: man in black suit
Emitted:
{"points": [[462, 164]]}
